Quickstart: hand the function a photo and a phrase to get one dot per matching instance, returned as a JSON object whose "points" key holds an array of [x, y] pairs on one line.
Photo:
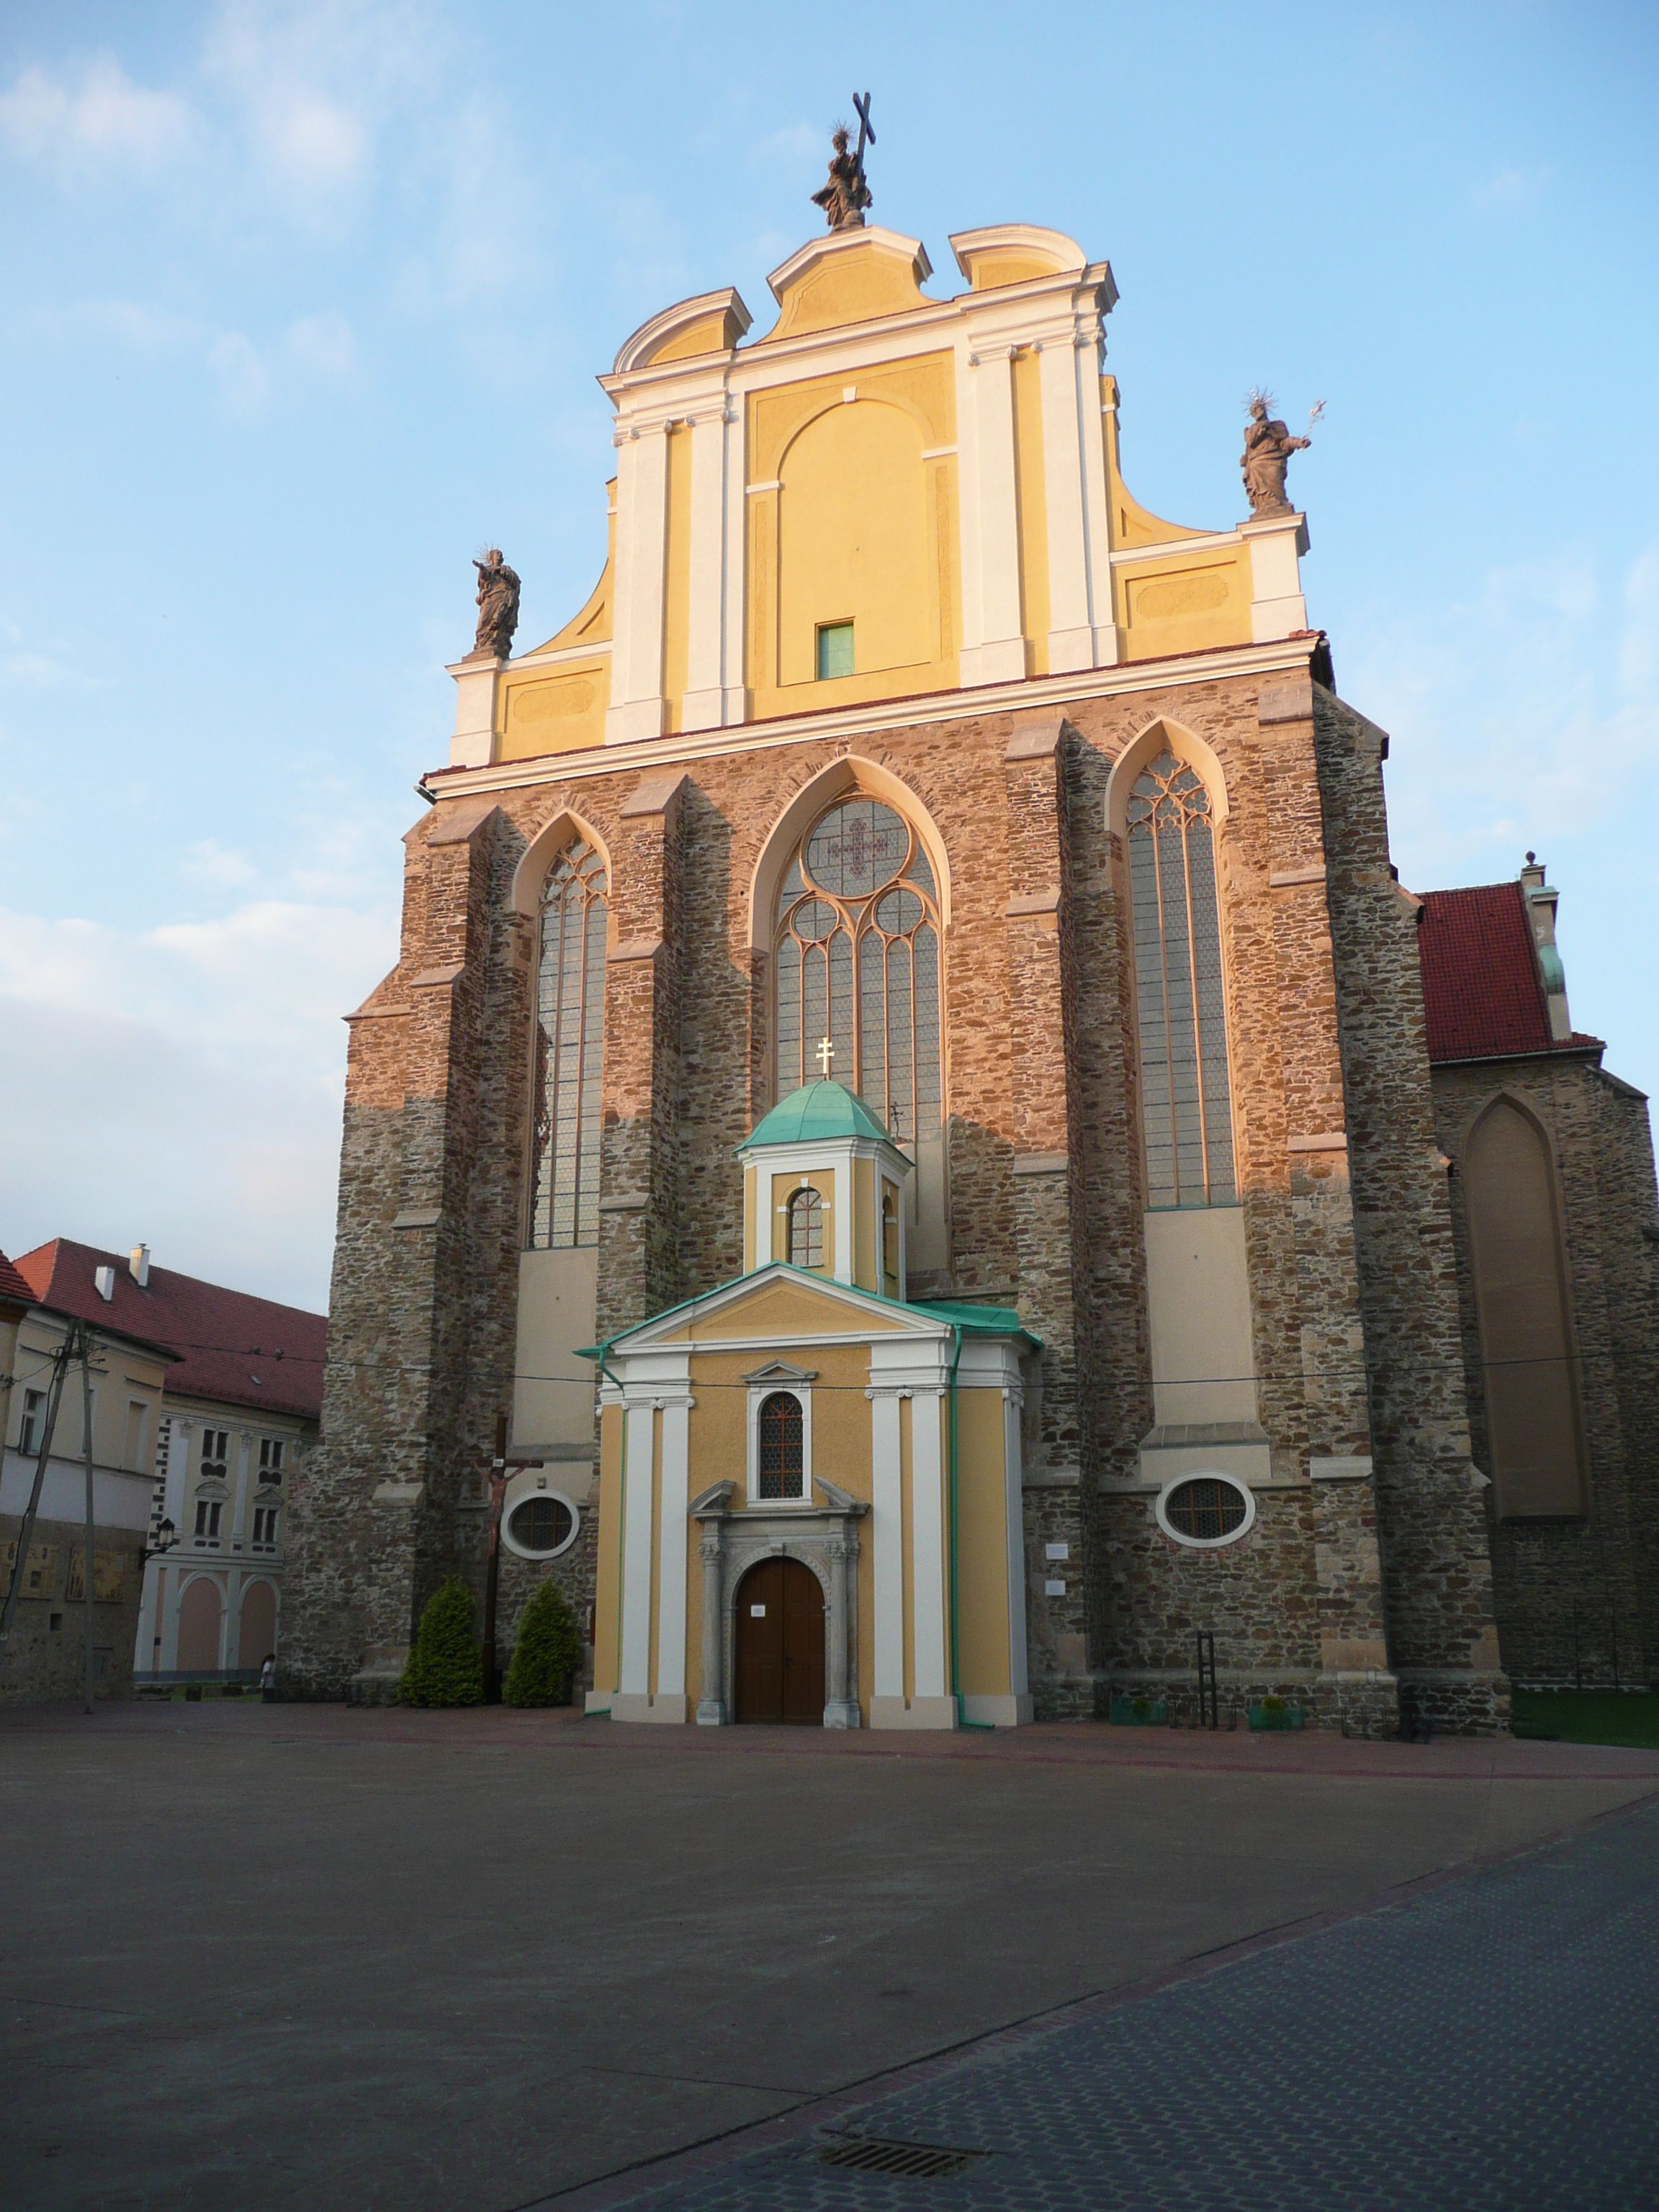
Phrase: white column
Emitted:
{"points": [[637, 1553], [168, 1661], [713, 679], [672, 1535], [993, 643], [927, 1530], [636, 658], [1074, 546], [887, 1543]]}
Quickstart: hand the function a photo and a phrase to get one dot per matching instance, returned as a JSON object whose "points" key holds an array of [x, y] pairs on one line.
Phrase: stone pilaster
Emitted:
{"points": [[638, 1256], [1042, 1119], [1443, 1639]]}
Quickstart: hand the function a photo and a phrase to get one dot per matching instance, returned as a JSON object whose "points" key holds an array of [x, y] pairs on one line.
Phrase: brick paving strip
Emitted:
{"points": [[1485, 2039], [1062, 1743]]}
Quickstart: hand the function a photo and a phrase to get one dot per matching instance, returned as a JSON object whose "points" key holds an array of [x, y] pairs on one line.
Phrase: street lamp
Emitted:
{"points": [[167, 1540]]}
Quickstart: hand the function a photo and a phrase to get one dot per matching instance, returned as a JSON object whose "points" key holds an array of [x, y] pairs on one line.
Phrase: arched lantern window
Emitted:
{"points": [[807, 1229]]}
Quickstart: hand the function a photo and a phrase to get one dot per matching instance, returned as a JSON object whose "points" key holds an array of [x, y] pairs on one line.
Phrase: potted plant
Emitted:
{"points": [[1273, 1713], [1137, 1712]]}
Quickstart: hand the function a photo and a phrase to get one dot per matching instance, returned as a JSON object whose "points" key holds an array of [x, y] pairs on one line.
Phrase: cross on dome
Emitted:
{"points": [[826, 1054]]}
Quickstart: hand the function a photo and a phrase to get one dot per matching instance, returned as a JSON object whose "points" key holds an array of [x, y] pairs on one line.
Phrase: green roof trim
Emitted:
{"points": [[817, 1111], [977, 1320]]}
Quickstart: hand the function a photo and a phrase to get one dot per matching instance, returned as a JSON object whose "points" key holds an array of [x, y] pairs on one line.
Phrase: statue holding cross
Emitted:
{"points": [[845, 196]]}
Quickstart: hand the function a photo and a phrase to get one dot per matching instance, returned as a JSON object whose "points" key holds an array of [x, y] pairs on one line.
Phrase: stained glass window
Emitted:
{"points": [[807, 1230], [780, 1445], [1186, 1108], [569, 1038], [858, 961]]}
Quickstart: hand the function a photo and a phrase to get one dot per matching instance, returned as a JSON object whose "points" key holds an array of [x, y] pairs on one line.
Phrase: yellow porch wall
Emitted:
{"points": [[982, 1545], [608, 1567]]}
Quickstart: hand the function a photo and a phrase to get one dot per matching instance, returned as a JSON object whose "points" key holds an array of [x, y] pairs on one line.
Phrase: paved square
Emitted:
{"points": [[384, 1962]]}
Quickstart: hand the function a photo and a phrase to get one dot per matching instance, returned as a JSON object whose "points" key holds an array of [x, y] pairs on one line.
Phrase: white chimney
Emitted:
{"points": [[104, 1281], [138, 1265]]}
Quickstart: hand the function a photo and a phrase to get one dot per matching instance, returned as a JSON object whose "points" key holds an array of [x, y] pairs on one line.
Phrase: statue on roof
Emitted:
{"points": [[1269, 445], [498, 605], [845, 196]]}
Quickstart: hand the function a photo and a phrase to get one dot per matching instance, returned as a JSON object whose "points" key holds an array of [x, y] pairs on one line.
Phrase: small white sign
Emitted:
{"points": [[757, 1613], [1056, 1551], [1054, 1590]]}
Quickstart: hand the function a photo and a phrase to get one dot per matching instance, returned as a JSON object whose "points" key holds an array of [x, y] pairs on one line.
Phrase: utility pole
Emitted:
{"points": [[74, 1340], [91, 1557]]}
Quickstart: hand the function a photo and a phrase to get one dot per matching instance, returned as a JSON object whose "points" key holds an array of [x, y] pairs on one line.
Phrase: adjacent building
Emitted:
{"points": [[45, 1655], [234, 1416]]}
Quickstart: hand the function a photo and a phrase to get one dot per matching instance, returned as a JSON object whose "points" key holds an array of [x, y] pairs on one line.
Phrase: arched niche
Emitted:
{"points": [[1512, 1209], [855, 540], [840, 778], [530, 876], [1187, 745]]}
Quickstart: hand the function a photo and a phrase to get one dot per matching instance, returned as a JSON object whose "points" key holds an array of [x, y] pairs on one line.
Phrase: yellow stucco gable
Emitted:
{"points": [[785, 1310]]}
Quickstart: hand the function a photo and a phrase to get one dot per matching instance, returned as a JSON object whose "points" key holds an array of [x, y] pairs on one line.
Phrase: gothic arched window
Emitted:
{"points": [[1186, 1108], [781, 1446], [569, 1039], [857, 960], [807, 1229]]}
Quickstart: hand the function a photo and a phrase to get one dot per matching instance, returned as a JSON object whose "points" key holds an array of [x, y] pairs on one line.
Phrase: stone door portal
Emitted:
{"points": [[779, 1644]]}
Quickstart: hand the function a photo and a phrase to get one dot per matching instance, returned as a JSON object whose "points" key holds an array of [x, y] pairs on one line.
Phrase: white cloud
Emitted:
{"points": [[1514, 719], [94, 119], [323, 343], [1508, 188], [185, 1084], [208, 861], [240, 371]]}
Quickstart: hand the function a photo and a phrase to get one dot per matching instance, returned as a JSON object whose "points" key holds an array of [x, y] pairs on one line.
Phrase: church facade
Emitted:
{"points": [[904, 778]]}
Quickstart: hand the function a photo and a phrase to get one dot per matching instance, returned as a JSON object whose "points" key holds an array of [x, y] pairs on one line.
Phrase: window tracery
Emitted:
{"points": [[1180, 997], [569, 1041], [856, 958]]}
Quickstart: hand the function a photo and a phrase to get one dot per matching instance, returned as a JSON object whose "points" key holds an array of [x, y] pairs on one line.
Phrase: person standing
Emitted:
{"points": [[268, 1678]]}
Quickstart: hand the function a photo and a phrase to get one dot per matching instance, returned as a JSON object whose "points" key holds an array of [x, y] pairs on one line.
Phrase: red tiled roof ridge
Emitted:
{"points": [[1483, 995], [231, 1344], [14, 1285]]}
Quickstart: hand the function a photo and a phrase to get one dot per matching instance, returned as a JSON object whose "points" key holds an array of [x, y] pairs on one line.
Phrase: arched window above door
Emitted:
{"points": [[1180, 995], [569, 1041], [782, 1461]]}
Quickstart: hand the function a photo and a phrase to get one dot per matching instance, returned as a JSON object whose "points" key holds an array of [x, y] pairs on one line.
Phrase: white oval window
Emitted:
{"points": [[541, 1526], [1206, 1510]]}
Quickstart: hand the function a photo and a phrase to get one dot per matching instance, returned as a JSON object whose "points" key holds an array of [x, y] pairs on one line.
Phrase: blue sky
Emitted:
{"points": [[301, 304]]}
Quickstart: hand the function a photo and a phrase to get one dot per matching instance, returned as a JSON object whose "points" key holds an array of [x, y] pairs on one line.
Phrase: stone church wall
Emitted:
{"points": [[1351, 1302], [1578, 1599], [1432, 1513]]}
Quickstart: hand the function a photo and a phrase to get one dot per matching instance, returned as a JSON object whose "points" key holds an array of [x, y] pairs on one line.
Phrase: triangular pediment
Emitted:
{"points": [[778, 1302]]}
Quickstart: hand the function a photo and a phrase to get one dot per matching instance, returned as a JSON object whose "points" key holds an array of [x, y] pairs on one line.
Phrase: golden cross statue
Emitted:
{"points": [[826, 1054]]}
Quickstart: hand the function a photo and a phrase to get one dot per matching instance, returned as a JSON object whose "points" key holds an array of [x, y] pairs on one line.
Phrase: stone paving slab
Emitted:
{"points": [[1491, 2044]]}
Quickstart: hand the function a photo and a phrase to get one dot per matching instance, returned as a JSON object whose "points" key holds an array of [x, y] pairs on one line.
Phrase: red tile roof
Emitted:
{"points": [[13, 1289], [247, 1351], [1482, 992]]}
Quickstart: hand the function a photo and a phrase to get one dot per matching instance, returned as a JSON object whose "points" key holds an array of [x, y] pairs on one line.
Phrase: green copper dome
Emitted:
{"points": [[817, 1110]]}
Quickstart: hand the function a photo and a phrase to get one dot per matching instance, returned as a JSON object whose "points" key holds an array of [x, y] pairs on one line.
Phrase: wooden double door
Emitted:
{"points": [[779, 1644]]}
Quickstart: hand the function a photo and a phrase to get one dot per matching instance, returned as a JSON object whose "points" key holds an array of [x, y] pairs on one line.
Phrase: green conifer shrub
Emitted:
{"points": [[445, 1667], [548, 1653]]}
